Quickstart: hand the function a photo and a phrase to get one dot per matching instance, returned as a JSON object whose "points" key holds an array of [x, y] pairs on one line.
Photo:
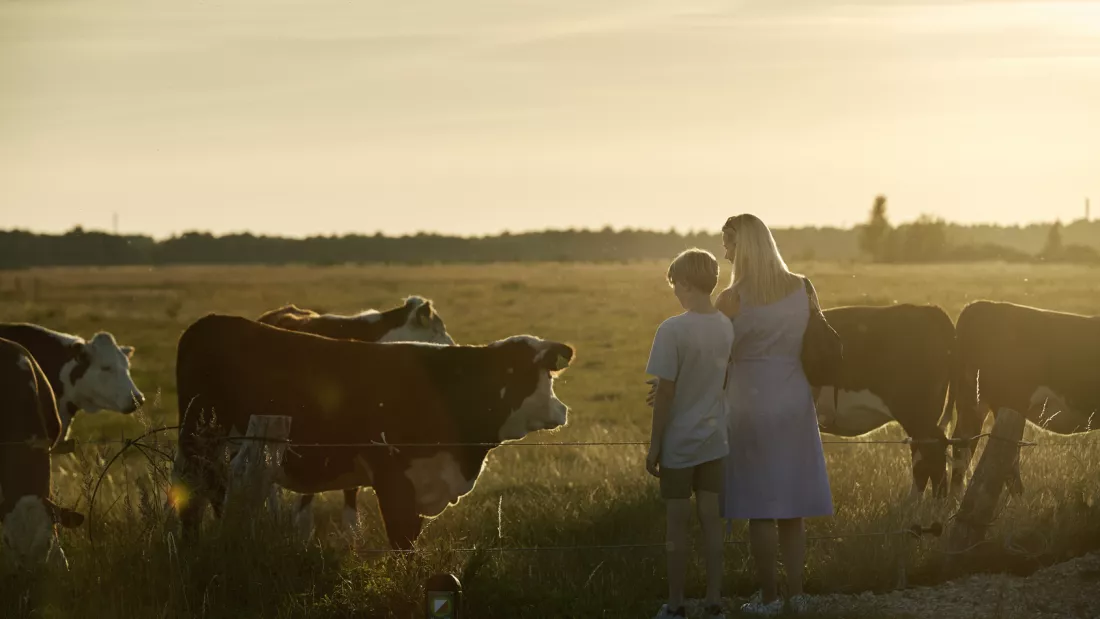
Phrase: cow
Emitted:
{"points": [[1044, 364], [423, 417], [414, 321], [897, 367], [29, 428], [88, 375]]}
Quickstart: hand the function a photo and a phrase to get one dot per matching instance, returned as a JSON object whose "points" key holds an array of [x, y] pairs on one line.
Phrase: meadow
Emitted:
{"points": [[554, 496]]}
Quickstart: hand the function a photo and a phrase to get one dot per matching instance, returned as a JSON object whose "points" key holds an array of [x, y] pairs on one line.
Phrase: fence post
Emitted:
{"points": [[995, 469], [253, 471]]}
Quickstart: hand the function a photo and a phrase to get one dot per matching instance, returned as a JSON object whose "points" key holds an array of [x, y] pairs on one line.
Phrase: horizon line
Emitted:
{"points": [[533, 231]]}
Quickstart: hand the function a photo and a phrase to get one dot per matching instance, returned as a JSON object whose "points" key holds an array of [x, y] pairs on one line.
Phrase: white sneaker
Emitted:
{"points": [[665, 613], [800, 603], [770, 609]]}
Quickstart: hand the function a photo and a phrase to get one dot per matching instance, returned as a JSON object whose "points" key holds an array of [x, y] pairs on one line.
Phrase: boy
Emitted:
{"points": [[689, 357]]}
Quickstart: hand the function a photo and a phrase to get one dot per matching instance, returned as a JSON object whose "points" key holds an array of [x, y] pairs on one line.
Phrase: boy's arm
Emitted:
{"points": [[662, 409], [664, 363]]}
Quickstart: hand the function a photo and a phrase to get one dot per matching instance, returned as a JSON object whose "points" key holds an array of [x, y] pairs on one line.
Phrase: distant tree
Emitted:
{"points": [[924, 240], [874, 236], [1053, 249]]}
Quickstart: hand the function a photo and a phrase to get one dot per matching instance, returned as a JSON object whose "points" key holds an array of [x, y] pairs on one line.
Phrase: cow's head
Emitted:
{"points": [[422, 324], [98, 377], [930, 465], [528, 392], [30, 530]]}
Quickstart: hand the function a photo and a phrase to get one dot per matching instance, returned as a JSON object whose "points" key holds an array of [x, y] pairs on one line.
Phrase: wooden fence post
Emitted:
{"points": [[253, 471], [996, 468]]}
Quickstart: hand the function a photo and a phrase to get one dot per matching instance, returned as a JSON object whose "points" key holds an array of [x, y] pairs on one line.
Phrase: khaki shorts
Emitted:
{"points": [[705, 477]]}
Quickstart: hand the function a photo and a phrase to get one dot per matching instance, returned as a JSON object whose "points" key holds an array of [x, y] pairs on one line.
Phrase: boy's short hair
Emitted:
{"points": [[695, 267]]}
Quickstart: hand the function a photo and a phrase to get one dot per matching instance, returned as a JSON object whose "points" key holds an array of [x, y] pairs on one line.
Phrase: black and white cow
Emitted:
{"points": [[1041, 363], [414, 321], [897, 367], [341, 391], [29, 429], [88, 375]]}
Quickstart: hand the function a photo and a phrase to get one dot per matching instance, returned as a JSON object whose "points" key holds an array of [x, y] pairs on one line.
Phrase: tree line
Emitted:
{"points": [[929, 239], [924, 240]]}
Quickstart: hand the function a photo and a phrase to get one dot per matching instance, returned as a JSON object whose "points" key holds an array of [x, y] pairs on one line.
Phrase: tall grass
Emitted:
{"points": [[128, 560]]}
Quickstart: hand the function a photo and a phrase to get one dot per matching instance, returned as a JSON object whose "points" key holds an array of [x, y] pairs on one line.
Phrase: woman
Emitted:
{"points": [[775, 472]]}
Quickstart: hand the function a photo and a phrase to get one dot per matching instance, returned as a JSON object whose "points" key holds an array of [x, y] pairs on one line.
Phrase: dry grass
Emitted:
{"points": [[538, 496]]}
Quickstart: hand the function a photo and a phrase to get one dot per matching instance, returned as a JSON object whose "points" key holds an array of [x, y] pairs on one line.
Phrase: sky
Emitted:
{"points": [[476, 116]]}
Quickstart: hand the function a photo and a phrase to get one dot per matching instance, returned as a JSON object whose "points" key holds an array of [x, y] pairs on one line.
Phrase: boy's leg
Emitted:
{"points": [[709, 478], [762, 543], [676, 490], [792, 545]]}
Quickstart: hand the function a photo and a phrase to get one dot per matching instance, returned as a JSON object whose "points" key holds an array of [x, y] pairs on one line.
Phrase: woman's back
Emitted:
{"points": [[772, 331], [776, 468]]}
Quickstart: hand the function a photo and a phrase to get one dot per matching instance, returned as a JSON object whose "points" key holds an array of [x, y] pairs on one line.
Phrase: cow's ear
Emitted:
{"points": [[424, 315], [79, 350], [127, 350], [555, 357]]}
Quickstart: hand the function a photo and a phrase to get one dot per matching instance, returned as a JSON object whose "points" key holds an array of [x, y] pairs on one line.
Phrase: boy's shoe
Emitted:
{"points": [[713, 612], [757, 607], [666, 613]]}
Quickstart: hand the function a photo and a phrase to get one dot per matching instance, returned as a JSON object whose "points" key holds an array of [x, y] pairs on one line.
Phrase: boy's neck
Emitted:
{"points": [[701, 305]]}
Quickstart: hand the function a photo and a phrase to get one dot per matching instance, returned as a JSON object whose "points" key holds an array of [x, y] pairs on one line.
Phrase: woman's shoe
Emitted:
{"points": [[667, 613], [800, 603]]}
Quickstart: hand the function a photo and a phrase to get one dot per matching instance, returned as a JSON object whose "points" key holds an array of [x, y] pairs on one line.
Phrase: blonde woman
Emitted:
{"points": [[775, 472]]}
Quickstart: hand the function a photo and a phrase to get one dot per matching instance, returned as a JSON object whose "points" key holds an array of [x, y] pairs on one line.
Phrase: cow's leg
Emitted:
{"points": [[397, 502], [920, 479], [969, 416], [350, 514], [303, 519], [200, 480]]}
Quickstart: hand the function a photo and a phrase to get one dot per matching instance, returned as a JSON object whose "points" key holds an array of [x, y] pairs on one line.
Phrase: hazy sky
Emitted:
{"points": [[474, 116]]}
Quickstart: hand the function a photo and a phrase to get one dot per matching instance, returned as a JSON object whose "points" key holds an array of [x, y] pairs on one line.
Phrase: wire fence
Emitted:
{"points": [[1068, 442], [914, 532]]}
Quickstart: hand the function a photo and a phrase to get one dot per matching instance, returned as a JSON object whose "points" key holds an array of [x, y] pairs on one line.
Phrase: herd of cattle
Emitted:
{"points": [[388, 400]]}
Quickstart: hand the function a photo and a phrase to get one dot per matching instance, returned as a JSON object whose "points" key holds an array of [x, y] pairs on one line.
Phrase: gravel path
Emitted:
{"points": [[1069, 590]]}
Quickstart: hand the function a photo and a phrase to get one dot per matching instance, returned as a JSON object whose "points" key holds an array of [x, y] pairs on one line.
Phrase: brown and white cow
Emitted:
{"points": [[29, 428], [88, 375], [414, 321], [897, 367], [371, 394], [1042, 363]]}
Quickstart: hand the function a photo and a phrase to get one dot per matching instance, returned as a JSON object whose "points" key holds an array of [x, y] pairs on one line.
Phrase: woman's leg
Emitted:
{"points": [[792, 545], [763, 545]]}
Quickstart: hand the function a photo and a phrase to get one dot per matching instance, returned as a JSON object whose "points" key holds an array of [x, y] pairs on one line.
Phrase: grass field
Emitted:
{"points": [[528, 496]]}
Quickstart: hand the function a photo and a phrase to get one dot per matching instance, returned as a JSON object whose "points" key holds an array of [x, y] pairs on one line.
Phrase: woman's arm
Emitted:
{"points": [[814, 302]]}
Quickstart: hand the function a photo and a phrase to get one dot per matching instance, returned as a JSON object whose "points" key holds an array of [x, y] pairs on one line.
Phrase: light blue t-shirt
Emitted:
{"points": [[694, 350]]}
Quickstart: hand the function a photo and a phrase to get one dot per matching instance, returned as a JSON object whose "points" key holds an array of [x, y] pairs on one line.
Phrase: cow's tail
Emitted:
{"points": [[948, 413], [954, 378]]}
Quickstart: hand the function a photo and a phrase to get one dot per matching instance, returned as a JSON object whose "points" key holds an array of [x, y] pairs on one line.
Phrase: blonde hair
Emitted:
{"points": [[695, 267], [759, 273]]}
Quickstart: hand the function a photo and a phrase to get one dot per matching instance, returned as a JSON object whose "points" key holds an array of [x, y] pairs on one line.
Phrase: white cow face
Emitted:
{"points": [[98, 378], [29, 536], [422, 324], [529, 387]]}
